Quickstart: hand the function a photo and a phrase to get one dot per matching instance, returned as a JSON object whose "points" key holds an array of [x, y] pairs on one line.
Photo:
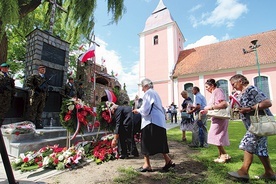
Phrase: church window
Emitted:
{"points": [[262, 83], [223, 84], [155, 40], [189, 88]]}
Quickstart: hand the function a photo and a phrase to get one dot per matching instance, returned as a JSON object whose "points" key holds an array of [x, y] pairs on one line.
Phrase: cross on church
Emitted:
{"points": [[53, 12]]}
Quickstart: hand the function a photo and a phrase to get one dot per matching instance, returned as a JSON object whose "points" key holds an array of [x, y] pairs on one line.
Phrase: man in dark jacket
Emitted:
{"points": [[123, 117]]}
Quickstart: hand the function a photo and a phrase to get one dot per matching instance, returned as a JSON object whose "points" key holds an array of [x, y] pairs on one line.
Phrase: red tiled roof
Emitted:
{"points": [[227, 55]]}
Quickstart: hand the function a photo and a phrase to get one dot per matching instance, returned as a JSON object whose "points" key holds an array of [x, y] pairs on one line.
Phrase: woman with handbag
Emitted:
{"points": [[187, 118], [153, 128], [251, 144], [218, 132]]}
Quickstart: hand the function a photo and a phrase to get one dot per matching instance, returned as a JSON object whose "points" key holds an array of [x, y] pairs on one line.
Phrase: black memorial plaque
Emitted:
{"points": [[53, 103], [56, 77], [53, 54]]}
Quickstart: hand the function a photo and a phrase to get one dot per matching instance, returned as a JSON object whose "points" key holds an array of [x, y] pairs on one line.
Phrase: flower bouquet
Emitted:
{"points": [[104, 116], [102, 150], [65, 158], [75, 116], [25, 127], [51, 157], [27, 161]]}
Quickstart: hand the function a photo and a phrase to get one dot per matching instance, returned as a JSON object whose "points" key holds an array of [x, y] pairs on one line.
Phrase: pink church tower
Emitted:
{"points": [[160, 44]]}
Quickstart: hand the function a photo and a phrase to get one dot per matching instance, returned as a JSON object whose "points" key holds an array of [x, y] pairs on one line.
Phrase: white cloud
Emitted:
{"points": [[226, 12], [205, 40], [113, 62], [195, 8]]}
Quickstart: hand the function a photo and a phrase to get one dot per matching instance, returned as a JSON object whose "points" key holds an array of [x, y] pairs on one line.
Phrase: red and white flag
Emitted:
{"points": [[90, 53]]}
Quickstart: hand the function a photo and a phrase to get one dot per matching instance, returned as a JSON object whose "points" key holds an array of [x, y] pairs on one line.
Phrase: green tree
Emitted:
{"points": [[19, 17]]}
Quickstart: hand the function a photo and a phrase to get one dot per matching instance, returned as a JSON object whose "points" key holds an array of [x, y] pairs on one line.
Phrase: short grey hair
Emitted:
{"points": [[147, 82]]}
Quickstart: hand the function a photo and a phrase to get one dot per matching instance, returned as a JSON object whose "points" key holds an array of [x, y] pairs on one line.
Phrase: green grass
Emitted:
{"points": [[127, 176], [217, 173]]}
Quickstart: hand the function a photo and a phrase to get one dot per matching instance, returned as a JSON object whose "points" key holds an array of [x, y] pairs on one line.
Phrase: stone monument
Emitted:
{"points": [[49, 50]]}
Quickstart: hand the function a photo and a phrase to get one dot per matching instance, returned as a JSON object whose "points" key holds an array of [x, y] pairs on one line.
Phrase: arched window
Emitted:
{"points": [[223, 84], [155, 40], [189, 88], [262, 83]]}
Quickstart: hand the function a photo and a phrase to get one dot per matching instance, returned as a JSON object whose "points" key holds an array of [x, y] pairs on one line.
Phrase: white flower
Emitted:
{"points": [[46, 161], [60, 157], [71, 107]]}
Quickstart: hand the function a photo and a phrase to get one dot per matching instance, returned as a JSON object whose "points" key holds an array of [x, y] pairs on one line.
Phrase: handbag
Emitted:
{"points": [[219, 113], [185, 115], [262, 125]]}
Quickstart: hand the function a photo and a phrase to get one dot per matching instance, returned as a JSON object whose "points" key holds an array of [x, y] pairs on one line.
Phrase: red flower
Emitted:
{"points": [[84, 113], [84, 121], [17, 133], [78, 106], [79, 115], [97, 124], [58, 150], [26, 159], [67, 117], [56, 161]]}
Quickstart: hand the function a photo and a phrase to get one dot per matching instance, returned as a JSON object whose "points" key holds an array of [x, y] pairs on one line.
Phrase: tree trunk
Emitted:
{"points": [[3, 48]]}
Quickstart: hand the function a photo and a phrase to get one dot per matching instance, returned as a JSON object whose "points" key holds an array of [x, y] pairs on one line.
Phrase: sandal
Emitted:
{"points": [[223, 159], [141, 169], [168, 165]]}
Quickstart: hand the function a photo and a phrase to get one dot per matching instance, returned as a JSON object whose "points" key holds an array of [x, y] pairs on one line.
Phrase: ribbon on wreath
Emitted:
{"points": [[80, 120], [77, 129]]}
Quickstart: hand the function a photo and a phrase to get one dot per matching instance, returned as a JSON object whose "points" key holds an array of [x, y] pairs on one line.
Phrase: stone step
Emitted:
{"points": [[16, 144]]}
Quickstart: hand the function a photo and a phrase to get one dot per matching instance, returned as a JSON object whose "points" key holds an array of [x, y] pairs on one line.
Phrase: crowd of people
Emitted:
{"points": [[147, 117]]}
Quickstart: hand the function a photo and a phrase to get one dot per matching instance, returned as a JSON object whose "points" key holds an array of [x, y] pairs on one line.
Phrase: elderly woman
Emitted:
{"points": [[153, 128], [251, 144], [187, 121], [218, 132]]}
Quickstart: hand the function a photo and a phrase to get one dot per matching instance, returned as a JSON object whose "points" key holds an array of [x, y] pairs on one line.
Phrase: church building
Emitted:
{"points": [[173, 69]]}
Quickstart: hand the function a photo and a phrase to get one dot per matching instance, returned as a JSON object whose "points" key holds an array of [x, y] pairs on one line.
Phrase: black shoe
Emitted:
{"points": [[141, 169], [123, 156], [168, 165]]}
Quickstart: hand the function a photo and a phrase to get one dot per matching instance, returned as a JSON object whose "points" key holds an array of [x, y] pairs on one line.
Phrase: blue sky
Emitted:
{"points": [[201, 22]]}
